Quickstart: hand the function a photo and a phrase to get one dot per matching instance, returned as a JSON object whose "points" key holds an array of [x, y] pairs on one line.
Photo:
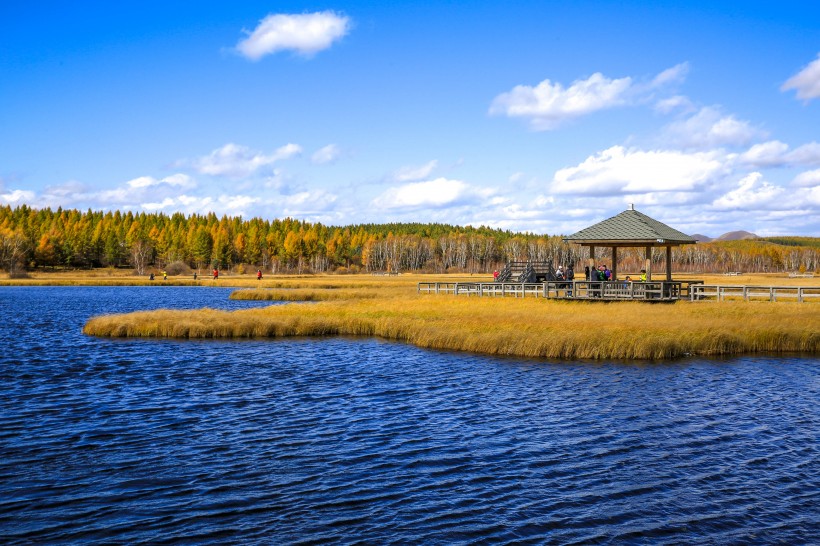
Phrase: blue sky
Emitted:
{"points": [[531, 116]]}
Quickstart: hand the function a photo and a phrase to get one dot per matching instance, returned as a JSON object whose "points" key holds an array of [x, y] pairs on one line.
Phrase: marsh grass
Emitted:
{"points": [[303, 294], [391, 309]]}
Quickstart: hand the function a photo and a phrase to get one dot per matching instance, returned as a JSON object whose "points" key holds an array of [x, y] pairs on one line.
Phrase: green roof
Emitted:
{"points": [[628, 226]]}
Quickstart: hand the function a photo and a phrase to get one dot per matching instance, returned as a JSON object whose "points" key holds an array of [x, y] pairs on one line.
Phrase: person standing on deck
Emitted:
{"points": [[258, 274], [570, 276], [495, 275], [643, 275]]}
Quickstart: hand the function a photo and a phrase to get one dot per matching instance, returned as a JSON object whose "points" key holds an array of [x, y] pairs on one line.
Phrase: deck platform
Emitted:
{"points": [[654, 291], [565, 290]]}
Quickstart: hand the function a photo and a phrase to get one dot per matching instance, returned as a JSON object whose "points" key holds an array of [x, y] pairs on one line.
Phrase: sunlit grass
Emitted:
{"points": [[390, 308], [303, 294]]}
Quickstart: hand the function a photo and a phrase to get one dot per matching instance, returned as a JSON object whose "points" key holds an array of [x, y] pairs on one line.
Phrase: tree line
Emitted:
{"points": [[33, 239]]}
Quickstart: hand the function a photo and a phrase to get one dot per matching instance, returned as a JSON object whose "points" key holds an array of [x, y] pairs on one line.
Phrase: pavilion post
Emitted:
{"points": [[648, 263], [614, 263], [668, 262], [591, 262]]}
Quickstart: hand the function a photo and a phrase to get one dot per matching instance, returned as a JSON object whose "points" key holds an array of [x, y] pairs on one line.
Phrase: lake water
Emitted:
{"points": [[349, 441]]}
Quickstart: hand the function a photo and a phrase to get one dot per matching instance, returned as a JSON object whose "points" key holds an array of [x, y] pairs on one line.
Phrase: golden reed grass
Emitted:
{"points": [[498, 326], [301, 294]]}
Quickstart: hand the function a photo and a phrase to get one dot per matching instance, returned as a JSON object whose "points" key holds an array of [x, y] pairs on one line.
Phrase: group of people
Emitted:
{"points": [[215, 274], [603, 273], [567, 274]]}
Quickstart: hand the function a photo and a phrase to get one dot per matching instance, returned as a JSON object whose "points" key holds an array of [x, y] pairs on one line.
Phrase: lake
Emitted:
{"points": [[345, 441]]}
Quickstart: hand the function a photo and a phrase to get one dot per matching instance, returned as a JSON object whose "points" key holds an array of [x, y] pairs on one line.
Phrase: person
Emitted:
{"points": [[194, 275], [570, 276], [258, 274], [643, 275], [164, 275], [559, 274], [601, 273], [495, 275], [216, 273], [151, 277], [607, 273]]}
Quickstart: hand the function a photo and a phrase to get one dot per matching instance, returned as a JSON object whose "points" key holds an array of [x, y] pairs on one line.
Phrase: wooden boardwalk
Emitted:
{"points": [[565, 290], [655, 291]]}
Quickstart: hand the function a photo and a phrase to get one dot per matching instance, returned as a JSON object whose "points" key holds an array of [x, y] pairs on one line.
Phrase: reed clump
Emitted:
{"points": [[502, 326]]}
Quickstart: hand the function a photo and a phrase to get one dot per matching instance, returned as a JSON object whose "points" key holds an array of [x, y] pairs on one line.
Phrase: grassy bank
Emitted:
{"points": [[391, 309], [303, 294]]}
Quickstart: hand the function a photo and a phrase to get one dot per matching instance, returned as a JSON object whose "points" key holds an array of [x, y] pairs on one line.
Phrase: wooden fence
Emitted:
{"points": [[754, 293], [624, 291], [577, 290]]}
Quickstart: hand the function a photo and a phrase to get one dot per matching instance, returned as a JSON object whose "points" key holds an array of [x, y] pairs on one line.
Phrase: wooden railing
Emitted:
{"points": [[754, 293], [584, 290]]}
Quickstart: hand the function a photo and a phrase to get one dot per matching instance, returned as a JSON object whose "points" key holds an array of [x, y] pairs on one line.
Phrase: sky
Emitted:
{"points": [[541, 117]]}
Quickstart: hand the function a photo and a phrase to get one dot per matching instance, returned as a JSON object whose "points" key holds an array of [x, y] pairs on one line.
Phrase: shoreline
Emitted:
{"points": [[506, 327]]}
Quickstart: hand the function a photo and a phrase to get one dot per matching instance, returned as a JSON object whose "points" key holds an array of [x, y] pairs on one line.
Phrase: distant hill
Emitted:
{"points": [[701, 238], [736, 236]]}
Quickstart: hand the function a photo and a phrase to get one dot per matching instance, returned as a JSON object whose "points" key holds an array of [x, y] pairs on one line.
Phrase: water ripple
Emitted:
{"points": [[342, 441]]}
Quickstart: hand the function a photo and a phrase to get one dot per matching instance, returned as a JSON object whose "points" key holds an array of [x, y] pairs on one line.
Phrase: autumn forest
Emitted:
{"points": [[36, 239]]}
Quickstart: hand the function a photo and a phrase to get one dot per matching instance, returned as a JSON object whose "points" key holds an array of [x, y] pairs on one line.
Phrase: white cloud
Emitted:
{"points": [[806, 82], [776, 154], [17, 197], [432, 193], [406, 174], [807, 179], [549, 104], [766, 154], [676, 74], [807, 154], [619, 170], [678, 102], [176, 180], [709, 128], [166, 203], [751, 193], [315, 199], [328, 154], [238, 161], [234, 205], [307, 34]]}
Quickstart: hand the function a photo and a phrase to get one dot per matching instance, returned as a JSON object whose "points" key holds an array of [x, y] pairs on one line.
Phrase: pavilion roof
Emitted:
{"points": [[630, 226]]}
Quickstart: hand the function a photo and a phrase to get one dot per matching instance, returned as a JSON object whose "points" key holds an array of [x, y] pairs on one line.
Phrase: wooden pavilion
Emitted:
{"points": [[631, 229]]}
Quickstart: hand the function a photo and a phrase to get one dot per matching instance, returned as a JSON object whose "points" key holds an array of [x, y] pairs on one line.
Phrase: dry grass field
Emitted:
{"points": [[390, 308]]}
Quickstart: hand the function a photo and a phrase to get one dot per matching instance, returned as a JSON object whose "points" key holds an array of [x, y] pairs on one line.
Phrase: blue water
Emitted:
{"points": [[362, 441]]}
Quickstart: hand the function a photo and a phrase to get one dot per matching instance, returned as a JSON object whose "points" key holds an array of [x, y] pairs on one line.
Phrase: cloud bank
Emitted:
{"points": [[548, 105]]}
